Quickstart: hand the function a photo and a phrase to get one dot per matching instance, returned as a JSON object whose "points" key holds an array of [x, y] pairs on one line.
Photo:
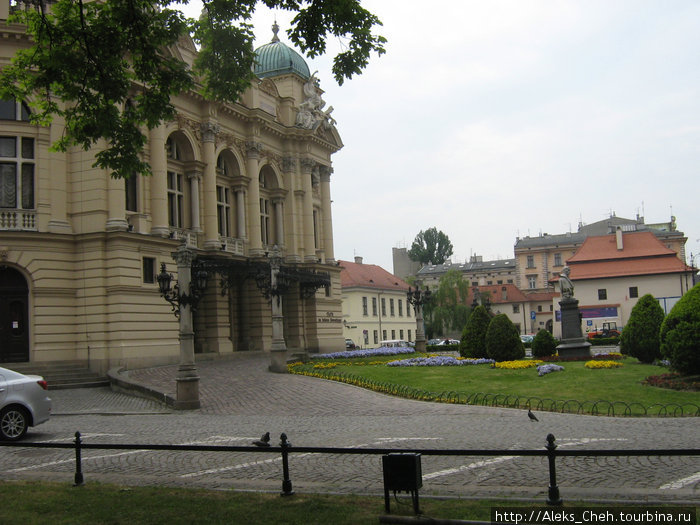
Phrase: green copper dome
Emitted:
{"points": [[277, 58]]}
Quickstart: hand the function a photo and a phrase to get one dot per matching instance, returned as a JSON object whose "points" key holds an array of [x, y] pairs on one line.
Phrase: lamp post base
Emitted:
{"points": [[278, 361], [187, 393]]}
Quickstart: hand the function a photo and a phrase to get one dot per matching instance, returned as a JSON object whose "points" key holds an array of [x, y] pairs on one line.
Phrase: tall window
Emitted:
{"points": [[384, 309], [223, 210], [400, 308], [530, 261], [317, 244], [131, 192], [532, 282], [634, 292], [17, 172], [175, 199], [557, 259], [149, 270], [265, 221], [602, 294], [391, 307], [374, 307], [364, 306]]}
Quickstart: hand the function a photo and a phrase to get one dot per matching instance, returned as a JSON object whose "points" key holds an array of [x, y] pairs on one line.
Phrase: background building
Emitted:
{"points": [[539, 259], [79, 250], [374, 305], [611, 272]]}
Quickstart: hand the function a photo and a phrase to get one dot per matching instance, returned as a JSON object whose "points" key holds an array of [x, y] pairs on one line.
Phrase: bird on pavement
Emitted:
{"points": [[264, 441], [532, 416]]}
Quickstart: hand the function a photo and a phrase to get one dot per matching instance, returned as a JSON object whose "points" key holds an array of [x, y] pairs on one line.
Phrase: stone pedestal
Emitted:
{"points": [[573, 344]]}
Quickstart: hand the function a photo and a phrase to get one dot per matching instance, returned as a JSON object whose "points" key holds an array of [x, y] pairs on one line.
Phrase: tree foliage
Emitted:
{"points": [[543, 344], [680, 333], [430, 247], [448, 311], [105, 67], [473, 342], [640, 337], [503, 341]]}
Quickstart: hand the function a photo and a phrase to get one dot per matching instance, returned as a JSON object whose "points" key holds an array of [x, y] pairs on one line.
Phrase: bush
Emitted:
{"points": [[544, 344], [680, 334], [640, 337], [503, 340], [473, 342]]}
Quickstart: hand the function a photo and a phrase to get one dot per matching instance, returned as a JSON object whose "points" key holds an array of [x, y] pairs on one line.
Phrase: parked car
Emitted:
{"points": [[435, 341], [527, 338], [24, 403], [445, 342], [349, 344]]}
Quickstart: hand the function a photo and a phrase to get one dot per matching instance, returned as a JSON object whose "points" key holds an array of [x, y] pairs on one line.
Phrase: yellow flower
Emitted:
{"points": [[517, 365], [602, 364]]}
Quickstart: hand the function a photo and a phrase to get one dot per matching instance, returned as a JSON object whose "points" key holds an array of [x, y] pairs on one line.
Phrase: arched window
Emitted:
{"points": [[176, 185]]}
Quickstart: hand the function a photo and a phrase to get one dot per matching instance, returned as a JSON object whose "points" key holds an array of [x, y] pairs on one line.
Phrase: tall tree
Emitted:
{"points": [[430, 247], [447, 311], [640, 337], [105, 67]]}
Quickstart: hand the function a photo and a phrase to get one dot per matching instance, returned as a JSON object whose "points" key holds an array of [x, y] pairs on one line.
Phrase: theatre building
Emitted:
{"points": [[240, 185]]}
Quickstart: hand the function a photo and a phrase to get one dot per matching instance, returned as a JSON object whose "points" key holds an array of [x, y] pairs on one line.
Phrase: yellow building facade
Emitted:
{"points": [[80, 251]]}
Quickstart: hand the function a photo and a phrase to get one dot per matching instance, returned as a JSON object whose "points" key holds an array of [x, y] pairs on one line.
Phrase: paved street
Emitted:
{"points": [[241, 400]]}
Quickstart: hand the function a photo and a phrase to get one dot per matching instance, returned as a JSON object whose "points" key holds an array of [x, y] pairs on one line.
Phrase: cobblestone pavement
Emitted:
{"points": [[241, 400]]}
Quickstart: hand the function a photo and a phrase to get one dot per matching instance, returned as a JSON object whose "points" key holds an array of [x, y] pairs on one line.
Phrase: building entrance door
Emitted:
{"points": [[14, 317]]}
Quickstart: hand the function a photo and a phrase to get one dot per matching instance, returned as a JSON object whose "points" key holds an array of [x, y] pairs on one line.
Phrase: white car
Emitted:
{"points": [[24, 403]]}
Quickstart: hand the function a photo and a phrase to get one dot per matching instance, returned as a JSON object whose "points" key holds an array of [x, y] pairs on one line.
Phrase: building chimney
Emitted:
{"points": [[618, 238], [358, 259]]}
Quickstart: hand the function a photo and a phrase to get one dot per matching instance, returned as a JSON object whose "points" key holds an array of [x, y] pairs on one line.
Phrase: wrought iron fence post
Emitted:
{"points": [[551, 447], [78, 461], [286, 482]]}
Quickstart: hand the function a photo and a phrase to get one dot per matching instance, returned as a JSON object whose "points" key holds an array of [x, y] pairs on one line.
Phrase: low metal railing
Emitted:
{"points": [[285, 449]]}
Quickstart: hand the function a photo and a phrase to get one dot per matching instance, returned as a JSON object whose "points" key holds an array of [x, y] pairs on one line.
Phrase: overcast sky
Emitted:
{"points": [[496, 119]]}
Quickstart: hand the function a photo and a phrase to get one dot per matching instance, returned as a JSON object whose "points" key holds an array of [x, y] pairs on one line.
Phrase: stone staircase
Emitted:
{"points": [[61, 375]]}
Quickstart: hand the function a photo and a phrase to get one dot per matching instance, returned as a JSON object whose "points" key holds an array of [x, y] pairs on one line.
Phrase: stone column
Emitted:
{"points": [[116, 204], [255, 248], [307, 212], [159, 183], [326, 212], [240, 213], [211, 226], [193, 177], [278, 204], [278, 350], [187, 390]]}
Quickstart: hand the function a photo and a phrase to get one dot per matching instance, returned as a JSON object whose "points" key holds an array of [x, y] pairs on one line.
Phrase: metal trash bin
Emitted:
{"points": [[402, 473]]}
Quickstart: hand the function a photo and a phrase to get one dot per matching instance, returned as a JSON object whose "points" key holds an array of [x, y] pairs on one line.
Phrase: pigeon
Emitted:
{"points": [[532, 416], [264, 441]]}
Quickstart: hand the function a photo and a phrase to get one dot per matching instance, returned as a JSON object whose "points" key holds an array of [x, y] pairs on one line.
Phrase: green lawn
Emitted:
{"points": [[37, 503], [619, 388]]}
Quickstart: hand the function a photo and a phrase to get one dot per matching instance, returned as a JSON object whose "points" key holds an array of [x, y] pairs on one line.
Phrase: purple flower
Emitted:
{"points": [[546, 369], [367, 352]]}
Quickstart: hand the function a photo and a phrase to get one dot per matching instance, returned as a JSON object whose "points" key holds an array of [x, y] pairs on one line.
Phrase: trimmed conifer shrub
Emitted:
{"points": [[503, 340], [543, 344], [640, 336], [680, 334], [473, 342]]}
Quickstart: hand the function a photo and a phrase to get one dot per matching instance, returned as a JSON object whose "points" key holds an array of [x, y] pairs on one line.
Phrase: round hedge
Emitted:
{"points": [[680, 333], [503, 340], [640, 337], [544, 344], [473, 342]]}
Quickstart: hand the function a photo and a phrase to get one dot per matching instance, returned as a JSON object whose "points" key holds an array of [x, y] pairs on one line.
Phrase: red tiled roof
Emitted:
{"points": [[512, 294], [641, 254], [634, 244], [369, 276], [626, 268]]}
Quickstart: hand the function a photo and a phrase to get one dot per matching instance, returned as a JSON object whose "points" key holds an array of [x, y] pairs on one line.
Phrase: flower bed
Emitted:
{"points": [[439, 360], [548, 368], [367, 352], [674, 381], [517, 365], [602, 356], [603, 364]]}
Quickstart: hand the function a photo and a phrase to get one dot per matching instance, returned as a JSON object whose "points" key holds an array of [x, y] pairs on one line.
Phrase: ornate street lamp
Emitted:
{"points": [[184, 297], [418, 298], [278, 285]]}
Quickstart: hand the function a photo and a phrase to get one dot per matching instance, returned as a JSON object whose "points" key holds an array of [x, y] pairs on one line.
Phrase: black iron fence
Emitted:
{"points": [[285, 448]]}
